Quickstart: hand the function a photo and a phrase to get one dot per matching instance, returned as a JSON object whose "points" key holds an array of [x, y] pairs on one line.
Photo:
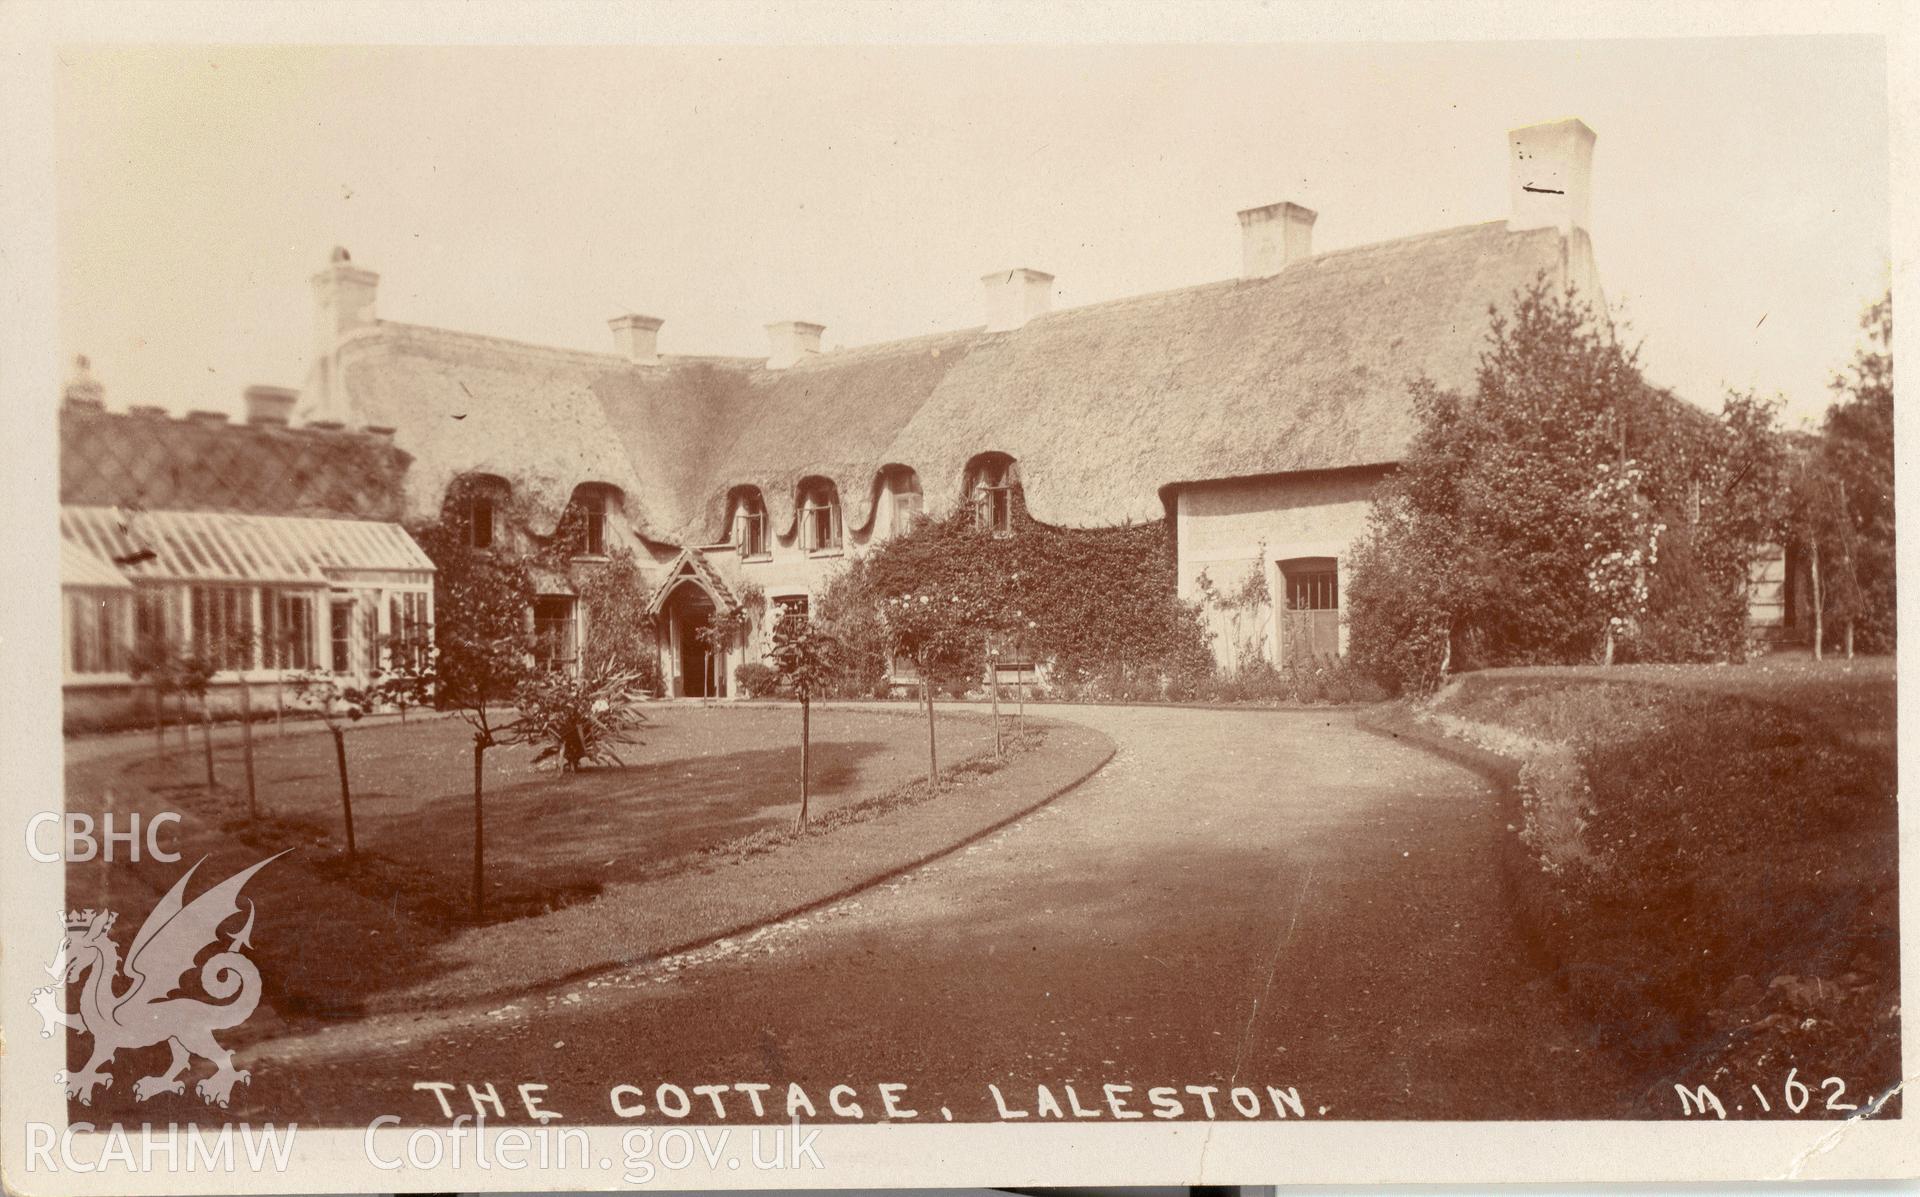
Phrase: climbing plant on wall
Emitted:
{"points": [[1090, 601], [495, 584]]}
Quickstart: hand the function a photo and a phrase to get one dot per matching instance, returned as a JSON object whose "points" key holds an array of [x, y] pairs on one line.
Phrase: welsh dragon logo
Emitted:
{"points": [[144, 1013]]}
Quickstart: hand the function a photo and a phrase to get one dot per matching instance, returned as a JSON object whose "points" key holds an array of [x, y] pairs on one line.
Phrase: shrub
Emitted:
{"points": [[757, 680], [579, 717], [848, 610]]}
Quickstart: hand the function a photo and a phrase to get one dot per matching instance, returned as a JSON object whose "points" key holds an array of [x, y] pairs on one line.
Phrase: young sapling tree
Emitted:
{"points": [[804, 656]]}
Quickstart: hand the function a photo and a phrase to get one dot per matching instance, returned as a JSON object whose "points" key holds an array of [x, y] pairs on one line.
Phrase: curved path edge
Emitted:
{"points": [[405, 1007]]}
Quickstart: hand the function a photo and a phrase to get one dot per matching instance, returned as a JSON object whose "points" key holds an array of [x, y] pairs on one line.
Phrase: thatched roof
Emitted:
{"points": [[1103, 406]]}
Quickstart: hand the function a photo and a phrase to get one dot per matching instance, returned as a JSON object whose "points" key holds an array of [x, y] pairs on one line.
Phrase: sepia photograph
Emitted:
{"points": [[610, 613]]}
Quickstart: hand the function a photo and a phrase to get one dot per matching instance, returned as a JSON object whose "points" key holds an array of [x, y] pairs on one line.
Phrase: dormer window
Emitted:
{"points": [[992, 494], [819, 517], [750, 524], [475, 505], [480, 521], [593, 505], [590, 500], [902, 488]]}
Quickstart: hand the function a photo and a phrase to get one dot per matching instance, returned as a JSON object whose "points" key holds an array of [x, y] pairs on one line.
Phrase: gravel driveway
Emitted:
{"points": [[1257, 898]]}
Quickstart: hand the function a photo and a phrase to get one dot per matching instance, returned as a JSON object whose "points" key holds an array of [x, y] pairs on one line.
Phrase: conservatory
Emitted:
{"points": [[258, 597]]}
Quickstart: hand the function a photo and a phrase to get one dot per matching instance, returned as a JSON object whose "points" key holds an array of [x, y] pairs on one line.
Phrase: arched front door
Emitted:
{"points": [[695, 672]]}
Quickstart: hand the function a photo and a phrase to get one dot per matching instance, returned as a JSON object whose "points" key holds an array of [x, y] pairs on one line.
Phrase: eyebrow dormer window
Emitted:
{"points": [[480, 521], [750, 524], [819, 518], [593, 516], [993, 484]]}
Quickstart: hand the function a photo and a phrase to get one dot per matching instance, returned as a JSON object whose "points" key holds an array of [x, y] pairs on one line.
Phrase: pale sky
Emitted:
{"points": [[1740, 196]]}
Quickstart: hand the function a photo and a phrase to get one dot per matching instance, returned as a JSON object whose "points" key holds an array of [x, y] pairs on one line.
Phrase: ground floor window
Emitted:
{"points": [[97, 624], [554, 638], [223, 632], [408, 631], [155, 618], [286, 629], [340, 634], [1310, 617], [791, 607]]}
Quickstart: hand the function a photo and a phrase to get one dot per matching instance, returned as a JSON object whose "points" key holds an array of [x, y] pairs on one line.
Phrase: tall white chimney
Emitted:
{"points": [[1016, 296], [342, 303], [1274, 237], [792, 341], [637, 338], [342, 299], [1550, 168]]}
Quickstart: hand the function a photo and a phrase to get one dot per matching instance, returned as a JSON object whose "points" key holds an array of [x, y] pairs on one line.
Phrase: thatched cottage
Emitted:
{"points": [[1255, 414]]}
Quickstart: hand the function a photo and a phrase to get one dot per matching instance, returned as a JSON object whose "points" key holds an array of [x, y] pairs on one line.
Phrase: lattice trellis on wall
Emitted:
{"points": [[149, 461]]}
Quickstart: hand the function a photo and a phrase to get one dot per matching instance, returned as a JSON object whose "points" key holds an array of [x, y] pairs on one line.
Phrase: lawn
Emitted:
{"points": [[705, 780], [1709, 860]]}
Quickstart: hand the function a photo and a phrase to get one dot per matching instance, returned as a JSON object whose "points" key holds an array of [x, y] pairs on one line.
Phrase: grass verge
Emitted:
{"points": [[1707, 860]]}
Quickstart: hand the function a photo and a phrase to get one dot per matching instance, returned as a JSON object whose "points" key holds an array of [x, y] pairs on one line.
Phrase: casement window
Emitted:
{"points": [[223, 632], [480, 521], [554, 637], [820, 519], [750, 524], [904, 498], [340, 634], [97, 625], [993, 495], [593, 514], [286, 630]]}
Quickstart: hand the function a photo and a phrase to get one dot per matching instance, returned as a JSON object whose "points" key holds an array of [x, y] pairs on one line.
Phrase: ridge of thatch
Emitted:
{"points": [[1103, 405]]}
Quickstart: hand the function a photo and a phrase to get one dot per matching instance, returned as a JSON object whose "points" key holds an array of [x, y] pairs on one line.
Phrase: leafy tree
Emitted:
{"points": [[803, 654], [1857, 447], [1723, 510], [936, 630], [410, 672], [157, 662], [338, 705], [484, 644], [1529, 519], [484, 657], [193, 676]]}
